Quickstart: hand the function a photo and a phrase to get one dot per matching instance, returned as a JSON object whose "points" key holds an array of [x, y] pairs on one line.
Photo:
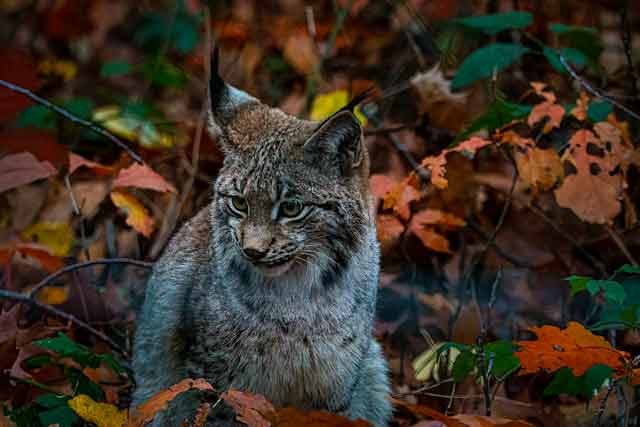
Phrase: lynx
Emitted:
{"points": [[271, 288]]}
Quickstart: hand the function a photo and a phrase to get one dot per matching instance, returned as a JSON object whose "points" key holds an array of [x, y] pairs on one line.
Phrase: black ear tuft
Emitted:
{"points": [[336, 146]]}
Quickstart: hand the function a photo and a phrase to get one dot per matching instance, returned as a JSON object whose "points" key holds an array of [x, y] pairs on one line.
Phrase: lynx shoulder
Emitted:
{"points": [[271, 288]]}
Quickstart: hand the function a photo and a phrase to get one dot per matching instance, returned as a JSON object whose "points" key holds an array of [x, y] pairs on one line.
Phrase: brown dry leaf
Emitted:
{"points": [[145, 412], [592, 193], [89, 195], [137, 215], [539, 169], [554, 112], [76, 161], [445, 109], [9, 323], [436, 164], [250, 408], [582, 105], [574, 347], [438, 217], [400, 199], [483, 421], [22, 168], [141, 176], [389, 229], [423, 412], [292, 417], [300, 52]]}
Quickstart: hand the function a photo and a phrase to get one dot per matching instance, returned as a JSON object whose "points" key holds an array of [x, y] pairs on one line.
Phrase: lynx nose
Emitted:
{"points": [[254, 254]]}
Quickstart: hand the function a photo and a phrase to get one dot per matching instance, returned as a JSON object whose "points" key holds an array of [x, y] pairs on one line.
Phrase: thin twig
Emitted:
{"points": [[51, 277], [603, 405], [621, 245], [73, 118], [594, 91], [14, 296]]}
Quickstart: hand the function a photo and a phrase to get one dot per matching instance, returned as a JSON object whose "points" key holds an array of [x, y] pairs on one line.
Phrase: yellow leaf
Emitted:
{"points": [[65, 69], [101, 414], [327, 104], [53, 295], [56, 236], [137, 215], [136, 129]]}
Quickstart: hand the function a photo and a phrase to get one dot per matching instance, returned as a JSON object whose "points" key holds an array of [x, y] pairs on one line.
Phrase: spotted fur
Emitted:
{"points": [[302, 337]]}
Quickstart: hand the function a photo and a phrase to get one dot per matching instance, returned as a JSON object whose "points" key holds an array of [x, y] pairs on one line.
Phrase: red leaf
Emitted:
{"points": [[76, 161], [248, 407], [40, 143], [141, 176], [49, 262], [18, 68], [389, 230], [22, 168]]}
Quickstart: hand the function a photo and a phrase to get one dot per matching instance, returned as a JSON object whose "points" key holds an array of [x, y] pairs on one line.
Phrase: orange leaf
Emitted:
{"points": [[482, 421], [300, 52], [137, 215], [49, 262], [141, 176], [593, 193], [437, 217], [401, 197], [574, 347], [381, 185], [539, 169], [76, 161], [292, 417], [432, 239], [422, 412], [389, 229], [539, 89], [249, 408], [145, 412], [554, 112], [582, 105], [22, 168]]}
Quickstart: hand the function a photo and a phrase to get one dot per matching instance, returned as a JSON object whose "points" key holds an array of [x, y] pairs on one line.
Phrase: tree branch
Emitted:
{"points": [[69, 116]]}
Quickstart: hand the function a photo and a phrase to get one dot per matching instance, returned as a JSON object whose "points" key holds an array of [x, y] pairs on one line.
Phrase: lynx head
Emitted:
{"points": [[292, 194]]}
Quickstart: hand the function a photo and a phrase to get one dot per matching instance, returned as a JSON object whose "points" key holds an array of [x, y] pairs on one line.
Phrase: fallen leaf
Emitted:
{"points": [[437, 217], [142, 176], [76, 161], [42, 144], [539, 89], [538, 169], [431, 239], [401, 197], [300, 52], [49, 262], [553, 111], [56, 236], [89, 195], [53, 295], [380, 185], [483, 421], [580, 110], [574, 347], [389, 229], [22, 168], [594, 192], [100, 414], [326, 104], [18, 68], [137, 215], [293, 417], [423, 412], [9, 323], [145, 412], [249, 408]]}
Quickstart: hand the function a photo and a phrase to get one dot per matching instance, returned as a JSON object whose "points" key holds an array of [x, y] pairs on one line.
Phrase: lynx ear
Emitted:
{"points": [[336, 146], [224, 99]]}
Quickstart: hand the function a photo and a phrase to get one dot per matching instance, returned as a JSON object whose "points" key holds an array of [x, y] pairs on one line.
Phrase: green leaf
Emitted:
{"points": [[493, 24], [115, 68], [464, 365], [578, 283], [629, 269], [499, 113], [36, 116], [598, 111], [613, 291], [564, 382], [177, 27], [51, 400], [584, 39], [503, 361], [164, 73], [484, 61], [65, 347], [571, 55], [80, 106], [83, 385], [62, 416]]}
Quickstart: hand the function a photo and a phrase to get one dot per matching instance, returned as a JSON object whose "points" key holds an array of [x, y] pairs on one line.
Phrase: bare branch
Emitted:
{"points": [[69, 116]]}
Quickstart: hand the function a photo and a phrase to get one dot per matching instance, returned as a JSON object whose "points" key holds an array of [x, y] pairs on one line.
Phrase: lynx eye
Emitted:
{"points": [[239, 204], [291, 208]]}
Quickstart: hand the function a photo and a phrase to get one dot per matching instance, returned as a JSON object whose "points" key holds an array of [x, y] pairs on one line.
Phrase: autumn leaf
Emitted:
{"points": [[554, 112], [56, 236], [538, 169], [423, 412], [16, 67], [145, 412], [380, 185], [76, 161], [142, 176], [326, 104], [580, 110], [300, 52], [53, 295], [539, 89], [100, 414], [49, 262], [422, 226], [42, 144], [249, 408], [137, 215], [437, 164], [22, 168], [593, 193], [574, 347], [293, 417], [401, 197], [389, 229], [484, 421], [9, 323]]}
